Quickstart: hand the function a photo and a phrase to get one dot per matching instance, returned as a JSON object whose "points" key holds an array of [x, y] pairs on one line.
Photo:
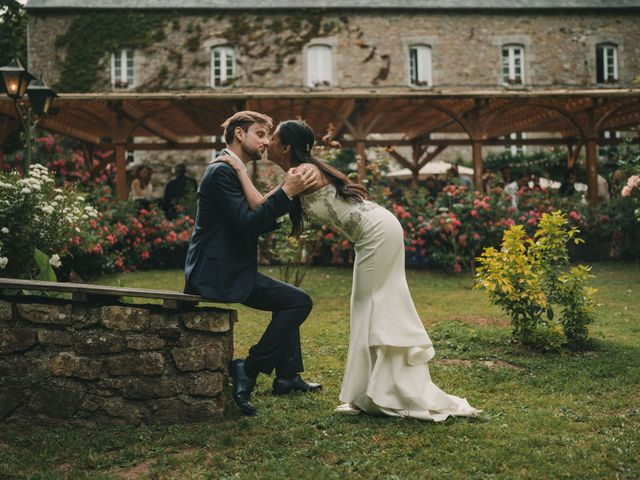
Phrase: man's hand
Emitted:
{"points": [[297, 180]]}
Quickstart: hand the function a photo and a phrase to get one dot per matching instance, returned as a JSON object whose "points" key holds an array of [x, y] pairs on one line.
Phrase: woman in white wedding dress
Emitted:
{"points": [[386, 370]]}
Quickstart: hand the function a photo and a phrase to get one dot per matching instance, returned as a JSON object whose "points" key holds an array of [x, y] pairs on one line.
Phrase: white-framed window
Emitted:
{"points": [[517, 148], [513, 64], [420, 66], [606, 63], [223, 66], [122, 69], [319, 65]]}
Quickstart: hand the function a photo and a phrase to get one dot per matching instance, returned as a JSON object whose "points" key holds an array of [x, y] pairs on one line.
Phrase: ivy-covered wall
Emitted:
{"points": [[371, 48]]}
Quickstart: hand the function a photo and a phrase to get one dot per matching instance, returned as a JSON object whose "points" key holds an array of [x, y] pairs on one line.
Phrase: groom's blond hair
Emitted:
{"points": [[244, 120]]}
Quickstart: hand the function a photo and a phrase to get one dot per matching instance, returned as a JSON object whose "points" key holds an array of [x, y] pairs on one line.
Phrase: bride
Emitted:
{"points": [[386, 371]]}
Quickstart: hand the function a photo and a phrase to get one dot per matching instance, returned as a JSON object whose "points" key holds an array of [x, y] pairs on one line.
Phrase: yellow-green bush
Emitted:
{"points": [[549, 302]]}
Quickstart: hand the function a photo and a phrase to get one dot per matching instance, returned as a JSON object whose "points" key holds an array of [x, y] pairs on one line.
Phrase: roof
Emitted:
{"points": [[337, 4]]}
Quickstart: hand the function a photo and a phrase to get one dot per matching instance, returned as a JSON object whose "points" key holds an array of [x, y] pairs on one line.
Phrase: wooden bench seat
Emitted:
{"points": [[83, 292]]}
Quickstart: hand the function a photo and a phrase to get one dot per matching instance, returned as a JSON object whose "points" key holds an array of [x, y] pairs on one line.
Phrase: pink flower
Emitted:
{"points": [[575, 215], [634, 181], [473, 213], [626, 191]]}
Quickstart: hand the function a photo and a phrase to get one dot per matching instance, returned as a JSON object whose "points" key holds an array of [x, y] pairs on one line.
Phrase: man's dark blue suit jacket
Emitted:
{"points": [[221, 262]]}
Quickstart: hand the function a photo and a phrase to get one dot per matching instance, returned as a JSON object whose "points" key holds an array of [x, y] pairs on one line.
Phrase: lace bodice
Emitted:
{"points": [[352, 219]]}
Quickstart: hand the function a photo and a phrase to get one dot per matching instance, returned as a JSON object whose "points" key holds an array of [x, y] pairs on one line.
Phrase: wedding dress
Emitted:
{"points": [[386, 370]]}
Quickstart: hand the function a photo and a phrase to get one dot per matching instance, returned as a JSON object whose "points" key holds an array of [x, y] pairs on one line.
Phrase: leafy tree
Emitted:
{"points": [[13, 32]]}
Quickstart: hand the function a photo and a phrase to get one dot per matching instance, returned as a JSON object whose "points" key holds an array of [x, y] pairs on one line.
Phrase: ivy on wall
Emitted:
{"points": [[264, 44], [270, 42], [90, 40]]}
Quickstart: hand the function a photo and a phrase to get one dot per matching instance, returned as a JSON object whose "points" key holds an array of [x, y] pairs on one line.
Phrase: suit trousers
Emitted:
{"points": [[279, 346]]}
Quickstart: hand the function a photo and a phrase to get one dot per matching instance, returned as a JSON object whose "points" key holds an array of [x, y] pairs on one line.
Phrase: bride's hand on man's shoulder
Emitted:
{"points": [[226, 159]]}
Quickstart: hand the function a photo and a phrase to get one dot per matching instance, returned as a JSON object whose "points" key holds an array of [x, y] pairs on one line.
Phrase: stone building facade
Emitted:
{"points": [[410, 45]]}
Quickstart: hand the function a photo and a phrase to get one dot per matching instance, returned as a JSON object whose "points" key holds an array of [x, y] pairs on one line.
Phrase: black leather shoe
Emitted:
{"points": [[283, 386], [242, 387]]}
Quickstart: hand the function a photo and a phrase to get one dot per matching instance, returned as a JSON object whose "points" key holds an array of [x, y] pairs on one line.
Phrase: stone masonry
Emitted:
{"points": [[68, 362], [370, 48]]}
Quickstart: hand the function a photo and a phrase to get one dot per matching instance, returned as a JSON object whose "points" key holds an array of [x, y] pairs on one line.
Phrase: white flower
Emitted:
{"points": [[25, 190], [47, 209], [4, 230], [54, 261], [3, 262]]}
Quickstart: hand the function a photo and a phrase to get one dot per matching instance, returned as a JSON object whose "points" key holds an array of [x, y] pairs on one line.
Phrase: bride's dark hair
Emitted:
{"points": [[300, 137]]}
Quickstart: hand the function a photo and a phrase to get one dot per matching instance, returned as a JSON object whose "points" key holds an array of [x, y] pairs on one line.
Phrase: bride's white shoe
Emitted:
{"points": [[347, 409]]}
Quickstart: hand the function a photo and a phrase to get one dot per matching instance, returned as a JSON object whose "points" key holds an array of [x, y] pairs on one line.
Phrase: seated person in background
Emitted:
{"points": [[141, 186], [603, 189], [176, 190], [454, 177], [516, 188], [432, 188], [568, 185]]}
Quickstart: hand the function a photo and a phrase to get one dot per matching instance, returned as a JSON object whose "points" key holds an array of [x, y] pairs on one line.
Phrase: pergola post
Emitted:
{"points": [[475, 130], [592, 158], [121, 161], [477, 165], [592, 171], [360, 144], [6, 127], [121, 171]]}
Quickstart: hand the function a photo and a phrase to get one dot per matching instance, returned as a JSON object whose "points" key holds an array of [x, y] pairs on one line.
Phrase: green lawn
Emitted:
{"points": [[545, 416]]}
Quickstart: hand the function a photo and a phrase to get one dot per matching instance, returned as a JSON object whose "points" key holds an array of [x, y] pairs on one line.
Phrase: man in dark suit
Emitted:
{"points": [[221, 262]]}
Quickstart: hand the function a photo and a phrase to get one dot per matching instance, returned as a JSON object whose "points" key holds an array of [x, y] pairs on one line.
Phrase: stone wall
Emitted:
{"points": [[68, 362], [370, 48]]}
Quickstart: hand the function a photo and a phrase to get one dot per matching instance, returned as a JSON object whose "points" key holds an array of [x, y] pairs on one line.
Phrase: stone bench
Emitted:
{"points": [[93, 358]]}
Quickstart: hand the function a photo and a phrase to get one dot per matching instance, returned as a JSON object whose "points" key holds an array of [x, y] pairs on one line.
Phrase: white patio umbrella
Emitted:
{"points": [[435, 167]]}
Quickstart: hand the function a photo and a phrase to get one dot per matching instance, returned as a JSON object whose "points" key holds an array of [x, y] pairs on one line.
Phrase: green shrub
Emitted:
{"points": [[37, 220], [549, 303]]}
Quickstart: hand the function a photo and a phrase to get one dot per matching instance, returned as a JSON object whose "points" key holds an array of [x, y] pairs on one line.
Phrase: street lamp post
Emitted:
{"points": [[18, 83]]}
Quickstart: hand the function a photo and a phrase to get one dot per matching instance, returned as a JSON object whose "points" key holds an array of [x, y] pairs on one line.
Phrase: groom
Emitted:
{"points": [[221, 262]]}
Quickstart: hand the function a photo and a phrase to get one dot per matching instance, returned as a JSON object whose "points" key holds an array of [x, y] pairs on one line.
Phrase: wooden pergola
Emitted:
{"points": [[358, 118]]}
